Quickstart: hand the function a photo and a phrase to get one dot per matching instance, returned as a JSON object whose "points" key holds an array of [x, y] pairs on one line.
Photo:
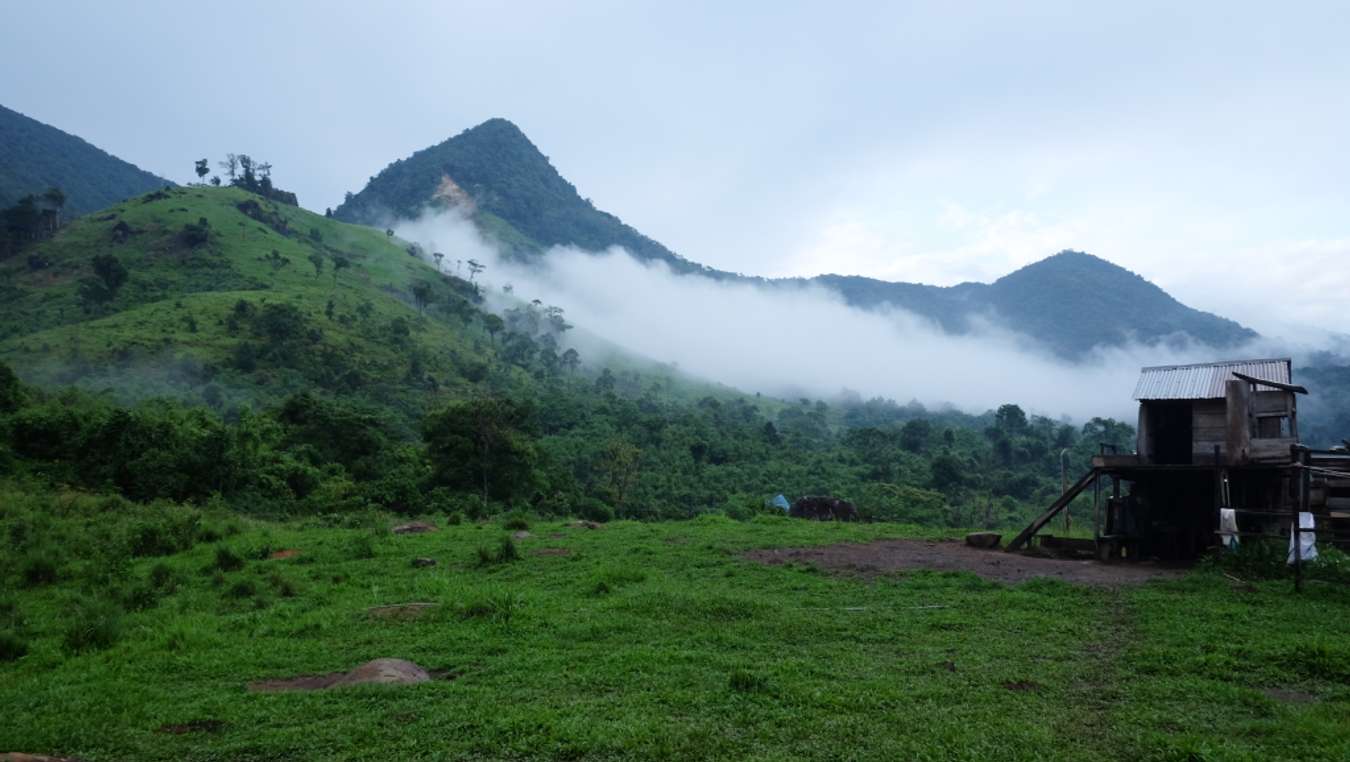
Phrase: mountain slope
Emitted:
{"points": [[35, 156], [1071, 302], [496, 173], [230, 299]]}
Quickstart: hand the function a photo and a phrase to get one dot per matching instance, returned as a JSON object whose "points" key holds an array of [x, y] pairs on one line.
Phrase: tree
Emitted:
{"points": [[571, 360], [474, 269], [422, 295], [605, 382], [493, 324], [203, 169], [340, 263], [482, 445], [914, 434], [438, 257], [215, 180], [110, 271], [231, 166], [316, 259]]}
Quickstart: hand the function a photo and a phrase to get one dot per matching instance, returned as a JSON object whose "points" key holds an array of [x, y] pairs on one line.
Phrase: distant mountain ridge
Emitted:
{"points": [[1071, 302], [36, 156]]}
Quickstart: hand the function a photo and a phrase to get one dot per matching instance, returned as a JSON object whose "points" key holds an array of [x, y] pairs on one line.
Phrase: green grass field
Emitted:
{"points": [[632, 641]]}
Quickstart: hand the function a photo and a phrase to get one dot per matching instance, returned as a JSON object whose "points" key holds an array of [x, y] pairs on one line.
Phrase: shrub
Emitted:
{"points": [[227, 560], [361, 547], [244, 588], [37, 569], [140, 596], [742, 681], [162, 577], [516, 522], [595, 510], [498, 607], [12, 647], [94, 625], [505, 553]]}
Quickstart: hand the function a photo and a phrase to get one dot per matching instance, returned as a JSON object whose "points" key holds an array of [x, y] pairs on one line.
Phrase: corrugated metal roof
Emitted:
{"points": [[1204, 381]]}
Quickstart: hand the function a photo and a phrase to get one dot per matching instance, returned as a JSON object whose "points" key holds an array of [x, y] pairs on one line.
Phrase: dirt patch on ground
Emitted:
{"points": [[885, 556], [284, 554], [377, 672], [551, 552]]}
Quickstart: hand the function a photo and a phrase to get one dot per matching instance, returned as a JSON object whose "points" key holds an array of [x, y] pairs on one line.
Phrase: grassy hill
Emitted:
{"points": [[177, 325], [35, 156]]}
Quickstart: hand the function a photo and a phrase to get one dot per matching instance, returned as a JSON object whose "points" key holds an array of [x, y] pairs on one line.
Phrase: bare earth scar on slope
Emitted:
{"points": [[885, 556]]}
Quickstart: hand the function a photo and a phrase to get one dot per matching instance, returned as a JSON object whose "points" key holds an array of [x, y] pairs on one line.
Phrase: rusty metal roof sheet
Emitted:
{"points": [[1204, 381]]}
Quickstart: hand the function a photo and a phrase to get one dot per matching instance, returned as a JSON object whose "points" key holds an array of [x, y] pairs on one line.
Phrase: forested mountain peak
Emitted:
{"points": [[517, 196], [35, 157]]}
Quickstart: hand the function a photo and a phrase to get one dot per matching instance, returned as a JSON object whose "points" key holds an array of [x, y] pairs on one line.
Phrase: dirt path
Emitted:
{"points": [[885, 556]]}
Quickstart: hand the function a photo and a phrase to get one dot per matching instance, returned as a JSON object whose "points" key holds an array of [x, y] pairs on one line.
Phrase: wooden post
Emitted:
{"points": [[1296, 529], [1237, 439]]}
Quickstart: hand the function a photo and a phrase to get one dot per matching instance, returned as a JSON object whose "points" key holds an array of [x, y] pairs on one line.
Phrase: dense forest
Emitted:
{"points": [[207, 343]]}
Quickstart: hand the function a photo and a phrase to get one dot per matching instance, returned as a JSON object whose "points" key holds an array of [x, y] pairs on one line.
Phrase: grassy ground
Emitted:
{"points": [[645, 641]]}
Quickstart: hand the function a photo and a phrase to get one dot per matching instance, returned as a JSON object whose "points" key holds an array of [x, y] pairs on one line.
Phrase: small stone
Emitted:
{"points": [[423, 562], [521, 535], [416, 527]]}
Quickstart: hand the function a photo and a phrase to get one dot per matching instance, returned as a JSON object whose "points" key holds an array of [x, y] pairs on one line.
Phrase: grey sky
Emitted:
{"points": [[1199, 144]]}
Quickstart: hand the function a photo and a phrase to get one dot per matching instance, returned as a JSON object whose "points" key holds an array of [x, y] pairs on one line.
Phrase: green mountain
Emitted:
{"points": [[1071, 302], [35, 156], [495, 173]]}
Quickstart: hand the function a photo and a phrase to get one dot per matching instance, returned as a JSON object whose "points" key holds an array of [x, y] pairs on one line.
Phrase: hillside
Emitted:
{"points": [[1071, 302], [35, 156], [494, 172]]}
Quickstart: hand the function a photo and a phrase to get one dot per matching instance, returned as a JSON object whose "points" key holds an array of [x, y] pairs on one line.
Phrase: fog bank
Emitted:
{"points": [[792, 341]]}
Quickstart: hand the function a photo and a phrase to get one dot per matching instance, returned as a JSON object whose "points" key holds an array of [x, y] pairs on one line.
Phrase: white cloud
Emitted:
{"points": [[801, 340]]}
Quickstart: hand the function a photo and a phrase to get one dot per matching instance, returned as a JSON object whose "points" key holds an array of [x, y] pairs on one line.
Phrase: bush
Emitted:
{"points": [[361, 547], [594, 510], [93, 625], [497, 607], [37, 569], [516, 522], [227, 560], [505, 553], [12, 647], [244, 588], [742, 681]]}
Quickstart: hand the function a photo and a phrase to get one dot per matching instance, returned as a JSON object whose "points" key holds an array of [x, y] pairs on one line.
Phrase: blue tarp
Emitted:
{"points": [[780, 502]]}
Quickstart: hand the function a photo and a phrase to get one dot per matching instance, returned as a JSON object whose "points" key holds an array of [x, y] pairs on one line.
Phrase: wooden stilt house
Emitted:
{"points": [[1210, 436]]}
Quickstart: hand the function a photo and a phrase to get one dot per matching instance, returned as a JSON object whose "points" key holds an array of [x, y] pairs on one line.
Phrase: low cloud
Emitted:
{"points": [[800, 340]]}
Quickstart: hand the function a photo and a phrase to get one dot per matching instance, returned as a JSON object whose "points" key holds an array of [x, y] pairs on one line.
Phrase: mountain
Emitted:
{"points": [[495, 173], [35, 156], [1070, 302]]}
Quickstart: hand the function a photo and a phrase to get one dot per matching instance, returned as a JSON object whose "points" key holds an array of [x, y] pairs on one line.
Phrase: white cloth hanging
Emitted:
{"points": [[1306, 538], [1228, 530]]}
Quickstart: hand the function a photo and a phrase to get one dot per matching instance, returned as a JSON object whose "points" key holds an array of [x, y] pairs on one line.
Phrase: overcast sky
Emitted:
{"points": [[1202, 145]]}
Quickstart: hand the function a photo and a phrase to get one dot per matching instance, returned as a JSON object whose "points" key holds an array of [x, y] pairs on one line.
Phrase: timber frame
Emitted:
{"points": [[1197, 452]]}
